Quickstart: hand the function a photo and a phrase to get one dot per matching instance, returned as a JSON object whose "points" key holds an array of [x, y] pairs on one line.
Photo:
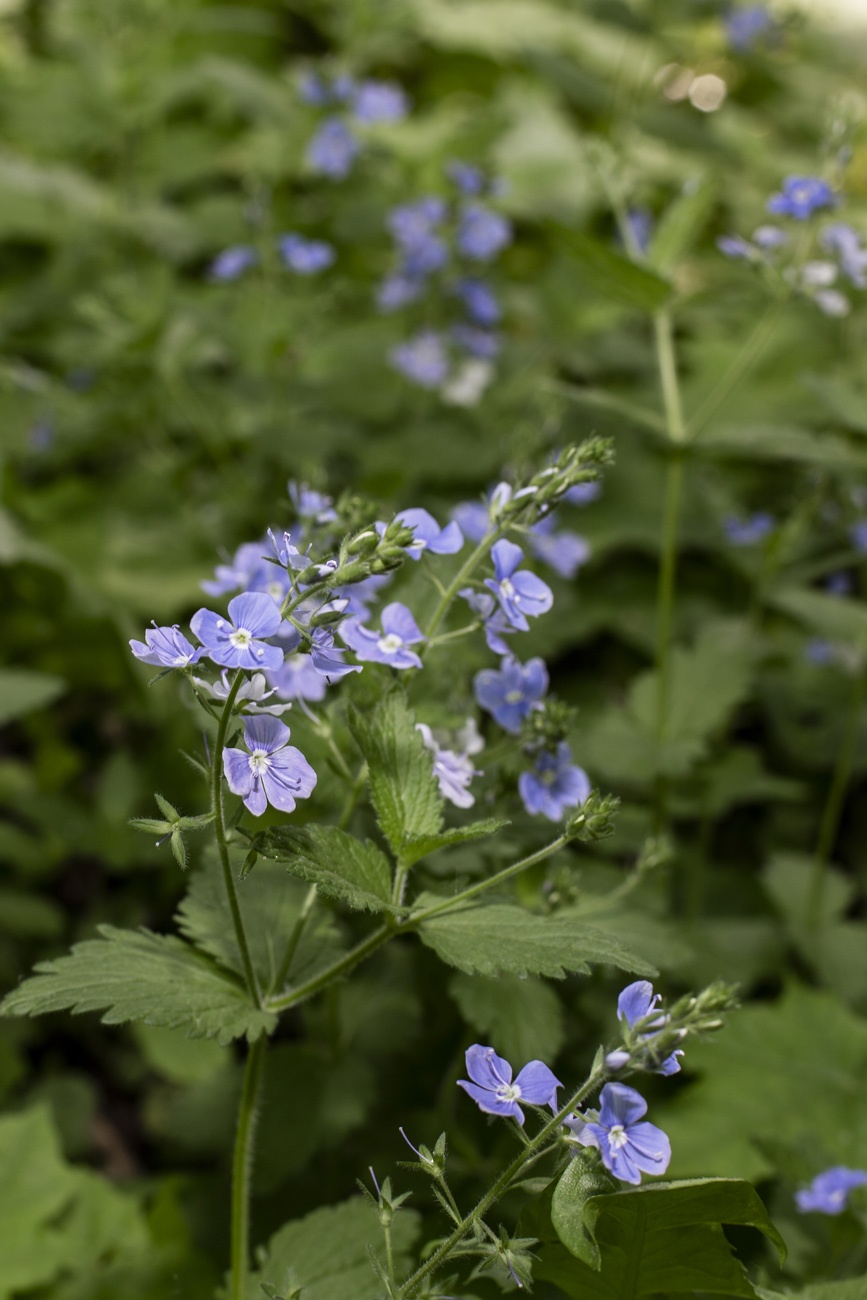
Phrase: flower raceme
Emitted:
{"points": [[496, 1093], [273, 771], [628, 1145]]}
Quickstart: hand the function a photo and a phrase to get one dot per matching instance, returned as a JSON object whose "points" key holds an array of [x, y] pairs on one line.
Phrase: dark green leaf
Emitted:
{"points": [[524, 1017], [614, 276], [834, 617], [22, 691], [342, 866], [680, 226], [420, 848]]}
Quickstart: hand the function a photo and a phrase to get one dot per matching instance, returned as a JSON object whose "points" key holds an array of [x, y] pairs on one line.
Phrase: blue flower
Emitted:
{"points": [[480, 301], [520, 593], [423, 359], [564, 551], [297, 679], [581, 494], [453, 769], [735, 246], [640, 221], [313, 90], [553, 785], [380, 101], [472, 518], [770, 237], [326, 659], [627, 1146], [512, 692], [248, 696], [636, 1002], [496, 624], [828, 1193], [482, 234], [391, 645], [415, 229], [272, 772], [839, 584], [360, 594], [801, 196], [397, 290], [494, 1092], [748, 532], [846, 243], [819, 651], [468, 178], [305, 256], [479, 343], [427, 534], [229, 577], [858, 536], [744, 27], [333, 149], [239, 642], [311, 505], [233, 262], [166, 646]]}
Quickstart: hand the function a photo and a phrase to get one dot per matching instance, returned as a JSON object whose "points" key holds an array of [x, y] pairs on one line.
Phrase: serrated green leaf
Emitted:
{"points": [[342, 866], [835, 617], [499, 938], [402, 783], [524, 1017], [853, 1288], [570, 1195], [137, 975], [417, 849], [658, 1238], [22, 691], [270, 902], [778, 442], [614, 276], [328, 1252], [680, 226]]}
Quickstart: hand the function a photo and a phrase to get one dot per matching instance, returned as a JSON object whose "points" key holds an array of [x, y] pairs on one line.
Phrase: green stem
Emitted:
{"points": [[506, 874], [745, 358], [242, 1167], [295, 938], [352, 797], [834, 803], [389, 1253], [664, 333], [502, 1183], [220, 832], [459, 579]]}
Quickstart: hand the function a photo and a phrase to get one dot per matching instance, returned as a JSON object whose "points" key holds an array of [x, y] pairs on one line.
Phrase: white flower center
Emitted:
{"points": [[241, 638], [507, 589], [548, 777], [260, 761], [418, 543], [508, 1092], [275, 591], [389, 645], [514, 697], [182, 660], [617, 1137]]}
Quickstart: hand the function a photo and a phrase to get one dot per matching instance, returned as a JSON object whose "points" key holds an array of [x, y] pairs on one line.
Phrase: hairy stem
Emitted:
{"points": [[220, 832], [502, 1183], [295, 938], [491, 882], [833, 809], [459, 579], [242, 1167]]}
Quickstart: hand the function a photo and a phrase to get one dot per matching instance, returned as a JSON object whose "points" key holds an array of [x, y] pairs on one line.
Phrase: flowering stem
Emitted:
{"points": [[295, 937], [747, 356], [242, 1166], [341, 967], [220, 832], [503, 1182], [491, 882], [352, 797], [834, 803], [459, 579]]}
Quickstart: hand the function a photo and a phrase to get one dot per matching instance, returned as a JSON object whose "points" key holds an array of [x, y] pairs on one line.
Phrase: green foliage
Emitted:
{"points": [[614, 276], [498, 938], [136, 975], [21, 691], [522, 1015], [402, 784], [659, 1238], [341, 866], [327, 1252]]}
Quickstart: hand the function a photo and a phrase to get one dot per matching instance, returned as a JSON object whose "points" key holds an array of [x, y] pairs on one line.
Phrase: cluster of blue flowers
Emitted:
{"points": [[448, 242], [349, 104], [299, 254], [769, 247], [627, 1144], [829, 1191]]}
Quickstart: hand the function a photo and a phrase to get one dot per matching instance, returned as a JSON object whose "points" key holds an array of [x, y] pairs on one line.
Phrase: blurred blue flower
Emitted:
{"points": [[468, 178], [297, 679], [554, 784], [399, 289], [423, 359], [565, 551], [626, 1145], [801, 196], [858, 536], [236, 574], [640, 221], [581, 494], [473, 519], [453, 769], [846, 243], [239, 642], [839, 584], [745, 27], [391, 645], [233, 262], [520, 593], [748, 532], [310, 505], [636, 1002], [414, 227], [379, 101], [828, 1193], [735, 246], [313, 90], [770, 237], [819, 651], [427, 534], [479, 343], [166, 646], [332, 150], [479, 300], [305, 256], [272, 772], [494, 1092], [482, 234], [248, 697], [511, 692]]}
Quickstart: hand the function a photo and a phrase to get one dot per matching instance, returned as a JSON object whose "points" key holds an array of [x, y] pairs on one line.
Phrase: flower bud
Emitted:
{"points": [[364, 543]]}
